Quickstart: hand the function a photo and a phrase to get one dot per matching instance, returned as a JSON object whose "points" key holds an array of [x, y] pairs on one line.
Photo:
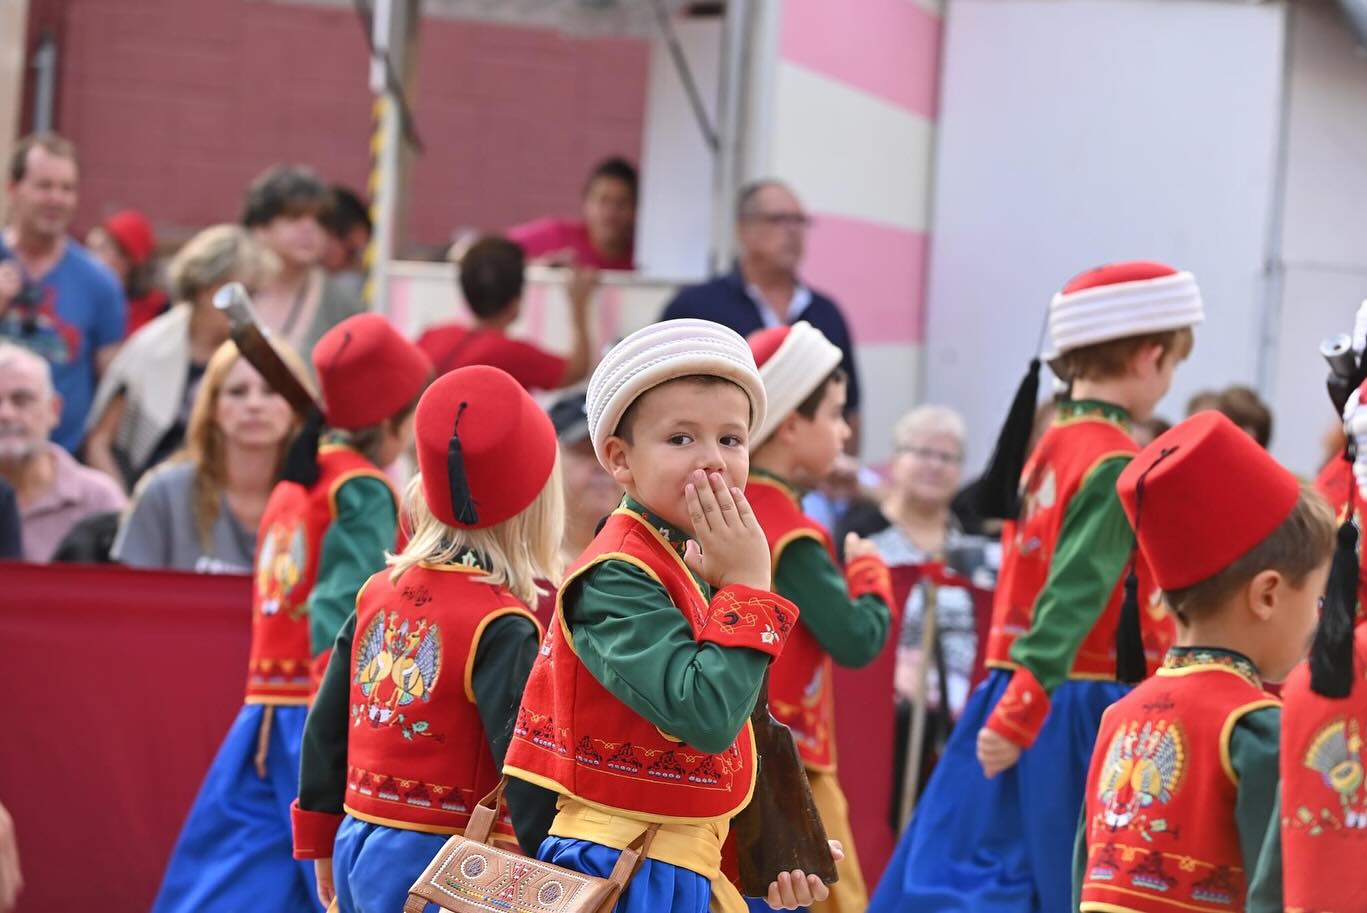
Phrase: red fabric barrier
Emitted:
{"points": [[864, 722], [121, 685]]}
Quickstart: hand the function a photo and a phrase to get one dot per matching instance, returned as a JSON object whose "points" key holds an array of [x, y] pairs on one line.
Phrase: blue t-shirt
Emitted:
{"points": [[81, 310]]}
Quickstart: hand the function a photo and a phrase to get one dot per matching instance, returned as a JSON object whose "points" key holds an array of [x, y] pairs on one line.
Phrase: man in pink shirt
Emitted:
{"points": [[54, 491], [605, 239]]}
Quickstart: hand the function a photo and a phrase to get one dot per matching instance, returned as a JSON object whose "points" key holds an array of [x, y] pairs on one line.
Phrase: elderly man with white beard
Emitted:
{"points": [[54, 491]]}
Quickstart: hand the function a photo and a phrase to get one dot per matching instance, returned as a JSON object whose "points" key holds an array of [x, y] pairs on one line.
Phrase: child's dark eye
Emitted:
{"points": [[680, 440], [732, 440]]}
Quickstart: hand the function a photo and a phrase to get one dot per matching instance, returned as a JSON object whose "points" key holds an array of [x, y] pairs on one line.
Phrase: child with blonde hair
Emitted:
{"points": [[413, 718]]}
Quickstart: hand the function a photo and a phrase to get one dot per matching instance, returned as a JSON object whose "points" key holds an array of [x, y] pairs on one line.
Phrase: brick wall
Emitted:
{"points": [[177, 104]]}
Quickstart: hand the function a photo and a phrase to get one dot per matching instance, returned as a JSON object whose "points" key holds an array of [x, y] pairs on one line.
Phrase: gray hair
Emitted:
{"points": [[929, 420], [746, 198], [216, 255], [12, 355]]}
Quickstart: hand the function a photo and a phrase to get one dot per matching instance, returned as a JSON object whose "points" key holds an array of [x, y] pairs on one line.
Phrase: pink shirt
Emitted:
{"points": [[77, 492], [550, 236]]}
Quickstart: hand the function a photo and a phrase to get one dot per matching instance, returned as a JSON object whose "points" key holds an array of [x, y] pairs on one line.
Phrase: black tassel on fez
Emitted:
{"points": [[462, 503], [999, 494], [301, 460], [1331, 654], [1130, 664]]}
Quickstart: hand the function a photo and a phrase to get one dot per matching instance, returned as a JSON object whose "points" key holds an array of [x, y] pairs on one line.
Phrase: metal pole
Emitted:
{"points": [[45, 84], [392, 25], [732, 87], [916, 732]]}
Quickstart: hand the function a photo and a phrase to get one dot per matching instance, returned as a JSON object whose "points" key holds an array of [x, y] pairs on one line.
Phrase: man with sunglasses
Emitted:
{"points": [[764, 289]]}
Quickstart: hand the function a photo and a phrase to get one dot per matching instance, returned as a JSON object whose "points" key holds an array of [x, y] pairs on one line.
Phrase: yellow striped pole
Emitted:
{"points": [[375, 256]]}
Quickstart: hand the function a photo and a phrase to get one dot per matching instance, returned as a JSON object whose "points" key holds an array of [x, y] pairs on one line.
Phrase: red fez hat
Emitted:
{"points": [[485, 447], [367, 371], [1201, 496], [133, 233]]}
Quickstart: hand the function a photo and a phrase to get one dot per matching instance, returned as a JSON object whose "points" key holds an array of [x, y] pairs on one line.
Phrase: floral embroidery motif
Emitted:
{"points": [[397, 663], [1335, 753], [279, 569], [1142, 772]]}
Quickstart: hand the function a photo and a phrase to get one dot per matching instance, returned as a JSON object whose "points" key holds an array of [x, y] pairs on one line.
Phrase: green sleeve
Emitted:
{"points": [[322, 758], [638, 645], [1253, 751], [1265, 885], [353, 549], [1079, 857], [853, 631], [503, 660], [1093, 549]]}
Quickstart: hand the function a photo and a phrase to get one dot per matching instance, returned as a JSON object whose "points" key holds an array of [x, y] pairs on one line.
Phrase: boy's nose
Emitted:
{"points": [[710, 461]]}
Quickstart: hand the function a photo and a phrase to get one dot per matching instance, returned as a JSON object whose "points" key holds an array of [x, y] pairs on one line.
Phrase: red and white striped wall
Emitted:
{"points": [[851, 112]]}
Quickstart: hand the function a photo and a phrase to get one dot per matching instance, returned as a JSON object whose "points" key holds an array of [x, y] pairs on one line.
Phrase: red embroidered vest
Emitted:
{"points": [[577, 738], [1324, 793], [1056, 471], [1161, 791], [289, 545], [801, 692], [417, 754]]}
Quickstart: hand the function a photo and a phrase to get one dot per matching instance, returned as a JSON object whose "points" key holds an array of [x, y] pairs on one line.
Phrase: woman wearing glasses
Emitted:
{"points": [[913, 525]]}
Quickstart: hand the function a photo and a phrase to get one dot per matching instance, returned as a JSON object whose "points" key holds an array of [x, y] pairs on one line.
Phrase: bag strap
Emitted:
{"points": [[485, 814], [632, 857]]}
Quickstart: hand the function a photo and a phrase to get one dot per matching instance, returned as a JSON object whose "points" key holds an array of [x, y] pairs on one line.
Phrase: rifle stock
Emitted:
{"points": [[246, 332], [780, 830]]}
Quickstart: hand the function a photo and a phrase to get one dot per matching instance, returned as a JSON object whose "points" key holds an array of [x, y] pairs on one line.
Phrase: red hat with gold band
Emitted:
{"points": [[367, 372], [1201, 496], [485, 447]]}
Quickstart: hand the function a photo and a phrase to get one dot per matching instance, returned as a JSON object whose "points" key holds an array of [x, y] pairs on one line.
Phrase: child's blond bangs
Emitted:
{"points": [[520, 551]]}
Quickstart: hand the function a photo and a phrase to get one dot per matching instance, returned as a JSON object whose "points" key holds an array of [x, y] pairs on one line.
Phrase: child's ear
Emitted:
{"points": [[1263, 592], [787, 429], [618, 465]]}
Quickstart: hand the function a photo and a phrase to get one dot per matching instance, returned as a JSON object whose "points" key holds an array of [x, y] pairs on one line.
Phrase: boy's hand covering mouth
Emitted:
{"points": [[728, 547]]}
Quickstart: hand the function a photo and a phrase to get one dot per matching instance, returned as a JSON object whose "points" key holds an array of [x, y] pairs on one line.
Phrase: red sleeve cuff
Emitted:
{"points": [[869, 575], [1022, 709], [745, 617], [314, 832]]}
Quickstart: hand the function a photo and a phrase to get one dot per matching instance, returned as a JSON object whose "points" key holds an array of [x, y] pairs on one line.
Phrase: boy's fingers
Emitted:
{"points": [[706, 497], [696, 513], [725, 502], [693, 557], [743, 509]]}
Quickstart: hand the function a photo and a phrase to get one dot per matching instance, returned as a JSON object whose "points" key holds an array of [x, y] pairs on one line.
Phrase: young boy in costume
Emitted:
{"points": [[1312, 859], [1183, 778], [845, 615], [637, 710], [1060, 650], [414, 715], [325, 529]]}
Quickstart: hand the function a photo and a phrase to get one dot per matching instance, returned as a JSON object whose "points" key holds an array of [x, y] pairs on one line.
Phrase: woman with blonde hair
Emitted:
{"points": [[409, 728], [200, 510], [142, 406]]}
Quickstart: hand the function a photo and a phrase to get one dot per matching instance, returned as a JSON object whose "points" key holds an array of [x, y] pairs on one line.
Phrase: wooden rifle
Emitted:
{"points": [[780, 830], [246, 331]]}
